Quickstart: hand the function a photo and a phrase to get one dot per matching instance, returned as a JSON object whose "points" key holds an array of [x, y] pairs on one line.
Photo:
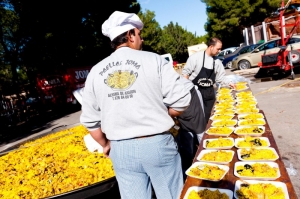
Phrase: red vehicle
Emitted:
{"points": [[57, 88], [287, 56]]}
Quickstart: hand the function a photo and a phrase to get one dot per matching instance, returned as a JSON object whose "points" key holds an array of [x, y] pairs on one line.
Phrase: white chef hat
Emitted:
{"points": [[120, 22]]}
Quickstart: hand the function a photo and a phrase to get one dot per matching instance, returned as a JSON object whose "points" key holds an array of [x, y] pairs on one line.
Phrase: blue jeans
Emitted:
{"points": [[140, 162]]}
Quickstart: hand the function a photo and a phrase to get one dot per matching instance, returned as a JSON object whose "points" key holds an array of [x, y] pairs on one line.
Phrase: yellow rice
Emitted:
{"points": [[248, 122], [219, 130], [257, 170], [239, 87], [207, 194], [262, 190], [249, 130], [222, 123], [258, 154], [218, 156], [209, 172], [221, 117], [252, 142], [54, 164], [251, 116], [219, 142]]}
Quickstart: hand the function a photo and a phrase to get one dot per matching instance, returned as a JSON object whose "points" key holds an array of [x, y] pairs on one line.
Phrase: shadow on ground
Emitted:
{"points": [[277, 74]]}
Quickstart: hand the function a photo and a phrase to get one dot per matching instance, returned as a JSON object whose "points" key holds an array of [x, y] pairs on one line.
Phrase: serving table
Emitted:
{"points": [[228, 182]]}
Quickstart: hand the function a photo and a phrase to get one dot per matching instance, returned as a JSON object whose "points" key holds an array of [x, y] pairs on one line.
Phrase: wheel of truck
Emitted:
{"points": [[244, 64], [295, 55], [229, 65]]}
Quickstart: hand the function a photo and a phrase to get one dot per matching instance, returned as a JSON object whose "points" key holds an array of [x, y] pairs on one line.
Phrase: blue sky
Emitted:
{"points": [[189, 14]]}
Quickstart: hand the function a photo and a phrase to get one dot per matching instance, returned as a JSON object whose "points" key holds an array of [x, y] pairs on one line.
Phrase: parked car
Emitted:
{"points": [[224, 52], [251, 59], [227, 61]]}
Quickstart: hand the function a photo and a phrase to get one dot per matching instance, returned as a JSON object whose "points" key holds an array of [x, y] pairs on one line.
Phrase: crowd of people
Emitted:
{"points": [[130, 101]]}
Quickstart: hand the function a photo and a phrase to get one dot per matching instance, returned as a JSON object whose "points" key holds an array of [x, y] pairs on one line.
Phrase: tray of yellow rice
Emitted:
{"points": [[220, 131], [224, 106], [224, 90], [195, 192], [241, 87], [225, 103], [241, 83], [252, 122], [215, 156], [243, 100], [54, 164], [243, 104], [221, 117], [255, 189], [246, 110], [223, 123], [223, 94], [257, 154], [249, 130], [246, 105], [207, 171], [218, 143], [225, 112], [256, 170], [244, 94], [251, 100], [226, 98], [249, 141], [250, 116]]}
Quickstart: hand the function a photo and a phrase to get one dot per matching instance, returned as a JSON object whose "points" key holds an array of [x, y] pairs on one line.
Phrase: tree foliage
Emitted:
{"points": [[175, 40], [171, 39], [11, 40], [56, 34], [227, 18], [151, 32]]}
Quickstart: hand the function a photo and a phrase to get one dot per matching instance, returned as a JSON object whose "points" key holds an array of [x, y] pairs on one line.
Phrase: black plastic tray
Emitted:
{"points": [[80, 193]]}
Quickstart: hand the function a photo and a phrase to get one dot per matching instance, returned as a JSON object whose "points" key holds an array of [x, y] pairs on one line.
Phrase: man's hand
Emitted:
{"points": [[106, 148], [100, 137], [232, 86], [174, 113], [186, 76]]}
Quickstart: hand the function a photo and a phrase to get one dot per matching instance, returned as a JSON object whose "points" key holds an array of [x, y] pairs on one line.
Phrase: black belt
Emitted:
{"points": [[146, 136]]}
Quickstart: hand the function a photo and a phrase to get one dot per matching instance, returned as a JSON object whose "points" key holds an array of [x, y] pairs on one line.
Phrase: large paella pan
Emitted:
{"points": [[55, 164]]}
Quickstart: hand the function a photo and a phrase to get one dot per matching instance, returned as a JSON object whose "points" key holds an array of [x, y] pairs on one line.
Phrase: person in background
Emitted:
{"points": [[204, 72], [192, 125], [128, 103]]}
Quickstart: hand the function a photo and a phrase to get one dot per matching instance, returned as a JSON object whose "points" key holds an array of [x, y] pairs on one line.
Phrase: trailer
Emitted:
{"points": [[285, 59], [283, 24]]}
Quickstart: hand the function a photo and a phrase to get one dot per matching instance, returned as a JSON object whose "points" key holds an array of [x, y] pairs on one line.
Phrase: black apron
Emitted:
{"points": [[205, 81], [191, 120]]}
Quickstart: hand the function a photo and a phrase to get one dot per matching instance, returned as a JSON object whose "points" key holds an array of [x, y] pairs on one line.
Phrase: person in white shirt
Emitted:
{"points": [[204, 71], [128, 103]]}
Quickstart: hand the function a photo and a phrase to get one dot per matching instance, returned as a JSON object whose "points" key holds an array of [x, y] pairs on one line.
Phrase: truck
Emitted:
{"points": [[195, 48], [56, 88]]}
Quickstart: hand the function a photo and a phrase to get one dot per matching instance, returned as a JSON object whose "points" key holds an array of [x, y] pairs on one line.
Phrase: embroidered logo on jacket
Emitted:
{"points": [[120, 79]]}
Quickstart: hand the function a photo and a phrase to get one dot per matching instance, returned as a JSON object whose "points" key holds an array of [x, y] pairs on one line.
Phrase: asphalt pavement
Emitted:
{"points": [[278, 96]]}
